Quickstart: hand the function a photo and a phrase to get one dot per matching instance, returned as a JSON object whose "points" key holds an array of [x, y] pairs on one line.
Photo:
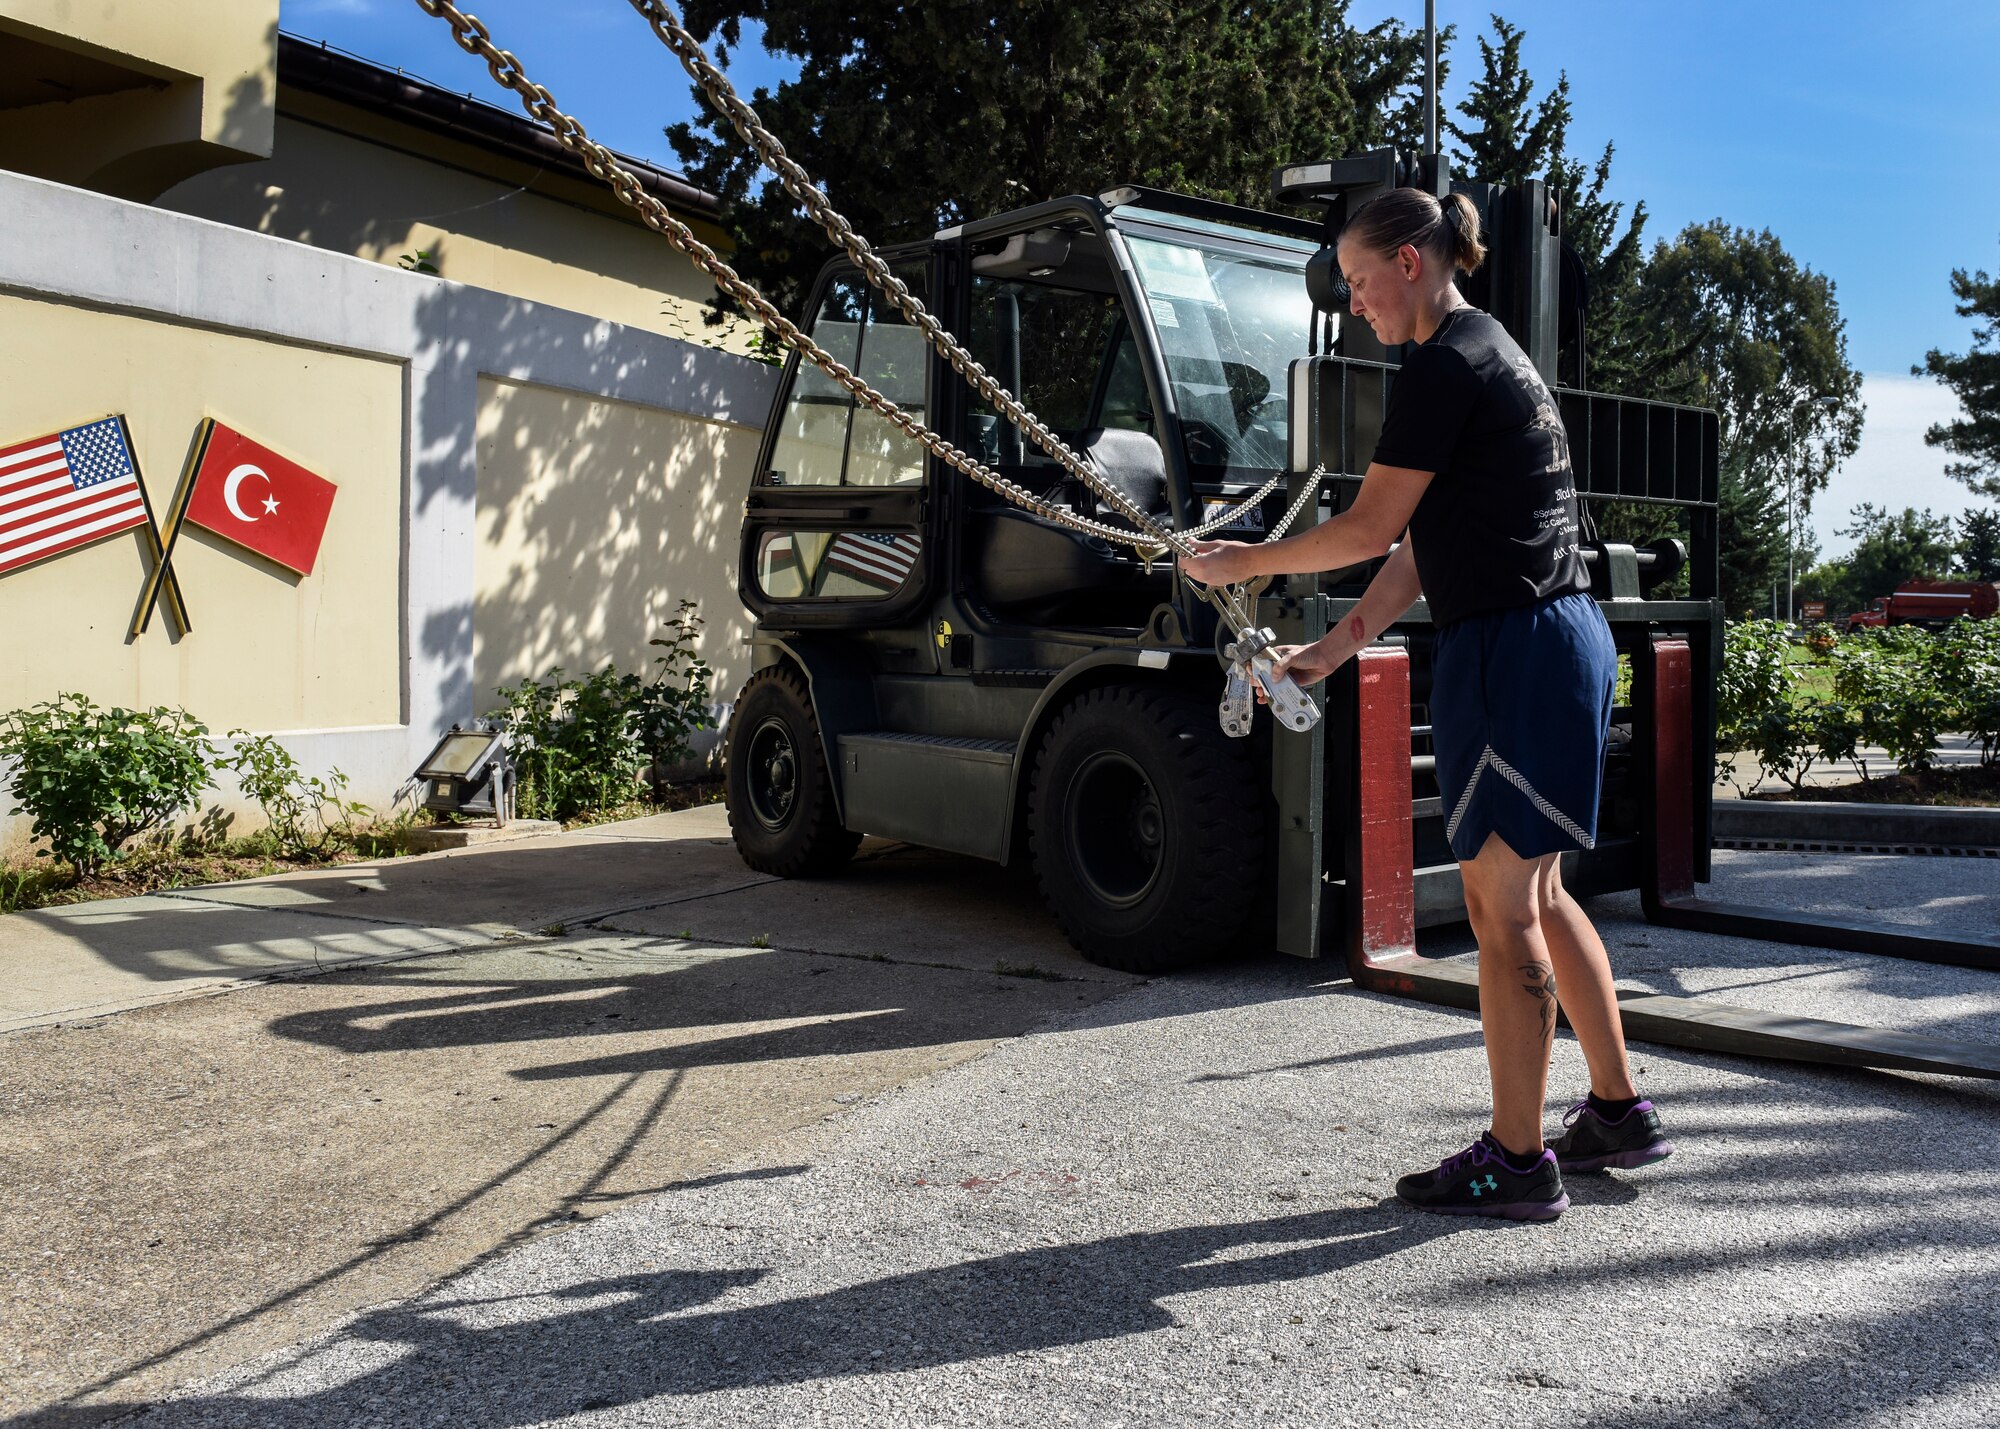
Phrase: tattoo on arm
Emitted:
{"points": [[1540, 981], [1357, 629]]}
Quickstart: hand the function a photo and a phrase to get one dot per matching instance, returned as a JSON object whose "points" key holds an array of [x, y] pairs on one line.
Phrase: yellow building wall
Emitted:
{"points": [[365, 197], [595, 519], [270, 651], [160, 90]]}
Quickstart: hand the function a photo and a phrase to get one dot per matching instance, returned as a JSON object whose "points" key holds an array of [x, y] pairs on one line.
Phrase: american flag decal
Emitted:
{"points": [[67, 490], [875, 556]]}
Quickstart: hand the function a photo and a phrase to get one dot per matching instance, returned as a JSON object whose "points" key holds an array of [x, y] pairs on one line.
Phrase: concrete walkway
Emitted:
{"points": [[1172, 1208], [522, 1036]]}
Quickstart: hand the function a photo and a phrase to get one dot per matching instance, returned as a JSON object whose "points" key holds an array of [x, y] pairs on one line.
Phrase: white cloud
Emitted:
{"points": [[1892, 467]]}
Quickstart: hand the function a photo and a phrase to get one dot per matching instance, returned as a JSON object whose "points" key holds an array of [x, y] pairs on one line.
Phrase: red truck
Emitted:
{"points": [[1930, 603]]}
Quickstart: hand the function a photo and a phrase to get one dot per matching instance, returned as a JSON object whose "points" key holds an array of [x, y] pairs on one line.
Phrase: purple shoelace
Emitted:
{"points": [[1478, 1154]]}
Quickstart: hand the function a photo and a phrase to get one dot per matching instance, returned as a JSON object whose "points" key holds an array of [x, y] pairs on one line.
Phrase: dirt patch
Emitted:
{"points": [[1961, 786]]}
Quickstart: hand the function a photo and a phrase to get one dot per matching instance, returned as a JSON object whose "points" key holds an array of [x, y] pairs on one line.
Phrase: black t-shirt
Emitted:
{"points": [[1497, 527]]}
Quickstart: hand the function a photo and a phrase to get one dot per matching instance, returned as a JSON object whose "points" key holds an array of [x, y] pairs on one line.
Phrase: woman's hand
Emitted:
{"points": [[1309, 664], [1219, 562]]}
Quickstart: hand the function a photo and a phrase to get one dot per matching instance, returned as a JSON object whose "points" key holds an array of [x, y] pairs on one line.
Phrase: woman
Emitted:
{"points": [[1473, 465]]}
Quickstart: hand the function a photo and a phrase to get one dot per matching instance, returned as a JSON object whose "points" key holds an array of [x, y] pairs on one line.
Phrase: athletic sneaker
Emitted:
{"points": [[1591, 1143], [1479, 1181]]}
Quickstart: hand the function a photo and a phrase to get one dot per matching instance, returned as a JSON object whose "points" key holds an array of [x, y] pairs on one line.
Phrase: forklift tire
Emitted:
{"points": [[1147, 826], [782, 813]]}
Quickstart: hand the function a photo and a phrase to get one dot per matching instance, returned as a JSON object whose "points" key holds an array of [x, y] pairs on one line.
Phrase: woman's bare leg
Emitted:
{"points": [[1517, 987], [1589, 999]]}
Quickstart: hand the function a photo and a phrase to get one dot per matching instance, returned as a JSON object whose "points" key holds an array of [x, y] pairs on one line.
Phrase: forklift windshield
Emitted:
{"points": [[1230, 320]]}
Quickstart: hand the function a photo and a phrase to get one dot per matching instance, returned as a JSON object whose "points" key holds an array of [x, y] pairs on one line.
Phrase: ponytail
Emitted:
{"points": [[1448, 231]]}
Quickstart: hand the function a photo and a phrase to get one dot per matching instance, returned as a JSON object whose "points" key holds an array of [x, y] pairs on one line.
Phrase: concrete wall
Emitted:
{"points": [[595, 519], [548, 483], [141, 93], [340, 180]]}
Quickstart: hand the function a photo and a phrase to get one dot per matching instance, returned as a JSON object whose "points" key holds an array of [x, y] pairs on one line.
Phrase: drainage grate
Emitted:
{"points": [[1823, 846]]}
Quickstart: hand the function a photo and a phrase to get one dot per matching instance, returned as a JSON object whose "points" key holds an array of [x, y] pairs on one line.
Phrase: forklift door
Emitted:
{"points": [[835, 525]]}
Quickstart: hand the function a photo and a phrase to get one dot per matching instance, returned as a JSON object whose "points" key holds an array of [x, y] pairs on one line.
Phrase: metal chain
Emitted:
{"points": [[723, 96], [474, 38], [1149, 538]]}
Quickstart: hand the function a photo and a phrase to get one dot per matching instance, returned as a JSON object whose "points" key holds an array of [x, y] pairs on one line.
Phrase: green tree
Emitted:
{"points": [[1890, 548], [1757, 335], [1979, 544], [1509, 136], [1975, 377], [969, 107]]}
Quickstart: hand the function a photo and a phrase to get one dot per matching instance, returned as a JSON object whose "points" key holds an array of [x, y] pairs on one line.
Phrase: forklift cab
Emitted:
{"points": [[1154, 343]]}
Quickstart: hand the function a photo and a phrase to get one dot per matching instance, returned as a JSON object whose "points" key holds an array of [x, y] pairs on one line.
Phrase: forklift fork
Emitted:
{"points": [[1664, 680], [1379, 899]]}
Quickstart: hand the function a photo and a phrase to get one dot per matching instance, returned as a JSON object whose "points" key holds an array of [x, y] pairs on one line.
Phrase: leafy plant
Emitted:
{"points": [[580, 744], [308, 816], [92, 778], [418, 262], [674, 704], [574, 741]]}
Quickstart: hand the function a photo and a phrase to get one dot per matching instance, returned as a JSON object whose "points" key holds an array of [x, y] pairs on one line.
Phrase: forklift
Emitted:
{"points": [[937, 666]]}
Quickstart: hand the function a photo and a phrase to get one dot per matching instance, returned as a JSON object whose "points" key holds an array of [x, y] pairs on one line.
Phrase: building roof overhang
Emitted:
{"points": [[316, 68]]}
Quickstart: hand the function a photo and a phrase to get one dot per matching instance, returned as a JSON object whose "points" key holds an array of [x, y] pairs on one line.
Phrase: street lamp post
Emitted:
{"points": [[1792, 500]]}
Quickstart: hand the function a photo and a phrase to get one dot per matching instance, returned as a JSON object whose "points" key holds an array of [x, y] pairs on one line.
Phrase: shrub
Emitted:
{"points": [[308, 815], [574, 742], [581, 743], [92, 779], [1753, 697], [1965, 664]]}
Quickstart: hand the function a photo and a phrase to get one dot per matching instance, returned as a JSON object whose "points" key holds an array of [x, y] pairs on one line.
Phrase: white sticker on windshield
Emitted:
{"points": [[1170, 271], [1163, 313]]}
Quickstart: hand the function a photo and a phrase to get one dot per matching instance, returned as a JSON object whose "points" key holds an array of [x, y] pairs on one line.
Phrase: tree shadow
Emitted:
{"points": [[523, 1360]]}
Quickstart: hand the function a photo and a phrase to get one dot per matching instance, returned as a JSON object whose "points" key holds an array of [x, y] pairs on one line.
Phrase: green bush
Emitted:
{"points": [[574, 742], [93, 779], [308, 816], [580, 744], [1965, 663], [1753, 699]]}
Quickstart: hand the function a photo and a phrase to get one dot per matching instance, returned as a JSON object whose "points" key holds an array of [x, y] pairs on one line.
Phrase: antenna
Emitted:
{"points": [[1430, 76]]}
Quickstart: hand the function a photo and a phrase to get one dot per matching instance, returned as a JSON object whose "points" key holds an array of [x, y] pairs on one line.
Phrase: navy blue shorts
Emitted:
{"points": [[1520, 712]]}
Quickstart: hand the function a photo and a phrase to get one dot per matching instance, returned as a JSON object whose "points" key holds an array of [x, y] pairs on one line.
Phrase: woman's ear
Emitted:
{"points": [[1410, 261]]}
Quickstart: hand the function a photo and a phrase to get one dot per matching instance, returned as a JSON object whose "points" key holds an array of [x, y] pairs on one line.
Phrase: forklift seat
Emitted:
{"points": [[1032, 570], [1131, 464]]}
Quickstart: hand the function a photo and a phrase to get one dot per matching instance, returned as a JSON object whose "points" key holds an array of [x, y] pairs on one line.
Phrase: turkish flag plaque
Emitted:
{"points": [[256, 498]]}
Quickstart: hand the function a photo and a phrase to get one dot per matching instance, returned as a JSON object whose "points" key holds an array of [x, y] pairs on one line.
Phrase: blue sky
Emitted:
{"points": [[1859, 132]]}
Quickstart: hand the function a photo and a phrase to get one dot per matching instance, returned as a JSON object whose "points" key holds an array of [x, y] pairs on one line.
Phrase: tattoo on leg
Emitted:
{"points": [[1540, 981]]}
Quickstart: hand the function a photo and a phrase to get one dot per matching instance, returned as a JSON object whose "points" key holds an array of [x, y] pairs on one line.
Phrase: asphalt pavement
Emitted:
{"points": [[1171, 1206]]}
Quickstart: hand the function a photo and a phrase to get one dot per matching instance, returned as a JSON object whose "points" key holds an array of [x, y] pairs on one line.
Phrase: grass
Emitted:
{"points": [[1811, 677], [1028, 970]]}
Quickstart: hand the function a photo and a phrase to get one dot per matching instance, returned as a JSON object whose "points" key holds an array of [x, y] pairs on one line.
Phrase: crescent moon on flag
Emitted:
{"points": [[235, 480]]}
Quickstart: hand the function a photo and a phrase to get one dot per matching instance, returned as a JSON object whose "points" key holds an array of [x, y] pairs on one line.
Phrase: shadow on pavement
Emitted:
{"points": [[528, 1360]]}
